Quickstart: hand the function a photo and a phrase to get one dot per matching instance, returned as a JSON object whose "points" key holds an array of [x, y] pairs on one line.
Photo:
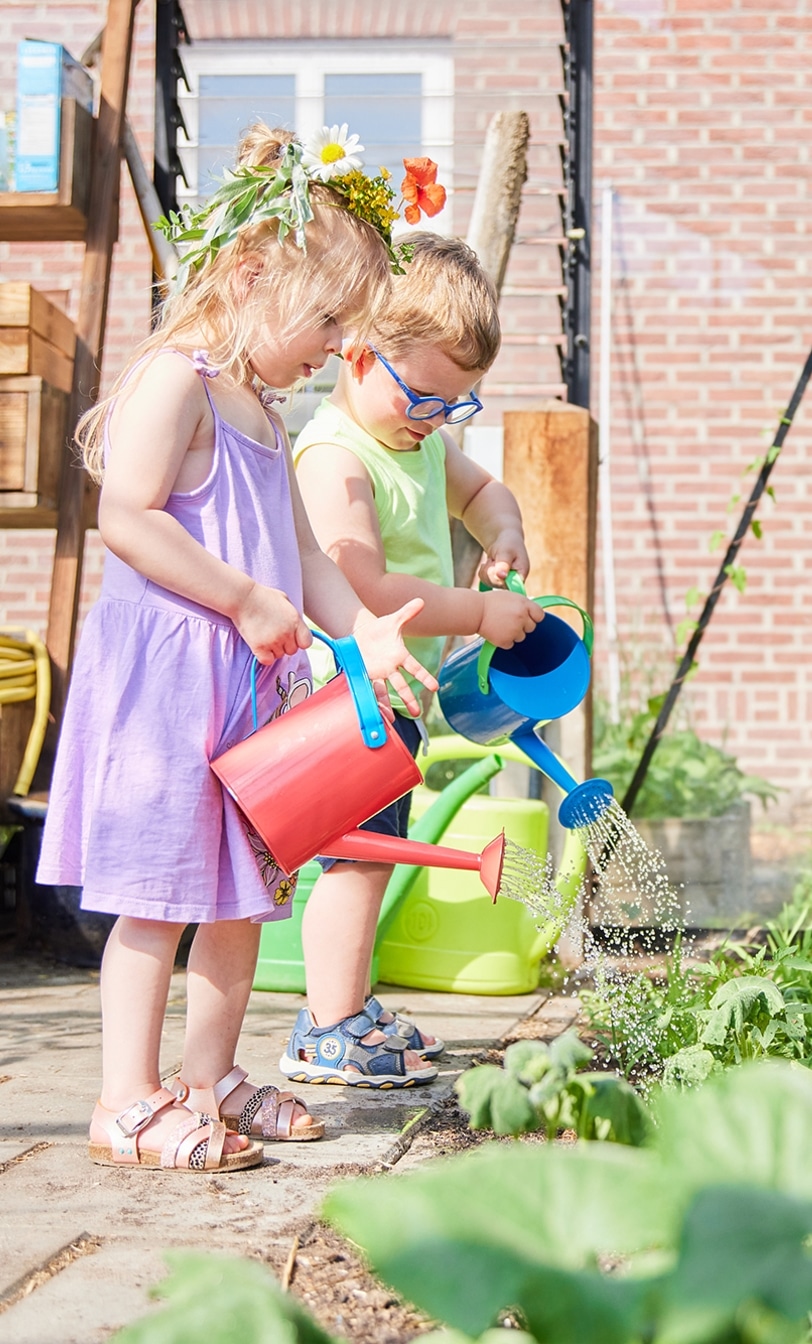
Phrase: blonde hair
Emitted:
{"points": [[444, 300], [343, 252]]}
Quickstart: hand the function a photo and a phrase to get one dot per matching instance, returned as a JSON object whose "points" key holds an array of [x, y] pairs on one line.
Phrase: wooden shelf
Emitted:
{"points": [[54, 216]]}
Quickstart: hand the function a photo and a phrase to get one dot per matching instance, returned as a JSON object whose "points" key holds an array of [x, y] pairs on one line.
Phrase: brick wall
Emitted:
{"points": [[701, 126], [26, 557]]}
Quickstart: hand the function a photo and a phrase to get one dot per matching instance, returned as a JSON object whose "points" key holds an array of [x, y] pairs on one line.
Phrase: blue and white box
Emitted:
{"points": [[46, 73]]}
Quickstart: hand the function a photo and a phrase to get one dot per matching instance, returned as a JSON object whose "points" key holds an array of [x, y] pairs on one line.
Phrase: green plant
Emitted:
{"points": [[742, 1004], [686, 778], [702, 1238], [540, 1088], [217, 1299]]}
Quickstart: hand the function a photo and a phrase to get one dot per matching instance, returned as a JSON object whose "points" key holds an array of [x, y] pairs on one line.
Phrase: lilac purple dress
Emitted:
{"points": [[160, 686]]}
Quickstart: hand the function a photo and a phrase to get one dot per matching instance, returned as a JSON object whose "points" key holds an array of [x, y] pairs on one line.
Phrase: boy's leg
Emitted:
{"points": [[338, 935], [136, 969], [219, 975]]}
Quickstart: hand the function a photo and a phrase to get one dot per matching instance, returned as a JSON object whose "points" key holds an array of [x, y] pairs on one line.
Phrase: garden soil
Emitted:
{"points": [[82, 1245]]}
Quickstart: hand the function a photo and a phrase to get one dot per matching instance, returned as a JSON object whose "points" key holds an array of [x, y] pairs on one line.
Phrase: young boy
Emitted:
{"points": [[380, 474]]}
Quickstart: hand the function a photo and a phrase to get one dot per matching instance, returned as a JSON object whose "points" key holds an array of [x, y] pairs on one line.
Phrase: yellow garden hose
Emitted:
{"points": [[25, 674]]}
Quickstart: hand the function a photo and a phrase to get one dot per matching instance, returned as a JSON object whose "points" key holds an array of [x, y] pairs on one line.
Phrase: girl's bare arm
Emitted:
{"points": [[160, 418]]}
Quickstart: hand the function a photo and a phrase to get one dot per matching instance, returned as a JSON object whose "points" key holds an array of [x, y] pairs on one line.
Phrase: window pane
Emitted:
{"points": [[228, 104], [384, 110]]}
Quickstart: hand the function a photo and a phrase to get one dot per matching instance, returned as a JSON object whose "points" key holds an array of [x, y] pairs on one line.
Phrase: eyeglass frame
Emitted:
{"points": [[447, 408]]}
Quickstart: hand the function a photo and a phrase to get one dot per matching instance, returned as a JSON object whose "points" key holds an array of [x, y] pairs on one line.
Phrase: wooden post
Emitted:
{"points": [[101, 234], [551, 465], [490, 233], [495, 212]]}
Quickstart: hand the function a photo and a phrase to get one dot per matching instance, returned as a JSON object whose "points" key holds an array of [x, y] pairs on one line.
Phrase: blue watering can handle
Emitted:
{"points": [[349, 661]]}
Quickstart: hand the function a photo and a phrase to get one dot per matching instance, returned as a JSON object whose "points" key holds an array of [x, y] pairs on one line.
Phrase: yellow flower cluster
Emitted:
{"points": [[369, 198]]}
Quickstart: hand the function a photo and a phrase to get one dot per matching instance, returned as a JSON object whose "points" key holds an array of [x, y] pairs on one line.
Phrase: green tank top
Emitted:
{"points": [[410, 500]]}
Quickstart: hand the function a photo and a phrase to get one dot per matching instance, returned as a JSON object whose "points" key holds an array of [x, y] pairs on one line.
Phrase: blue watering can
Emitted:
{"points": [[489, 695]]}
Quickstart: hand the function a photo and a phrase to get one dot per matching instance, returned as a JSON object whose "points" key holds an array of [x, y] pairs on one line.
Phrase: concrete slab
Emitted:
{"points": [[50, 1193]]}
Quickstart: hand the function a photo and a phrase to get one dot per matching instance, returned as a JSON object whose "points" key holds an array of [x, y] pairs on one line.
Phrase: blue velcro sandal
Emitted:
{"points": [[401, 1026], [321, 1054]]}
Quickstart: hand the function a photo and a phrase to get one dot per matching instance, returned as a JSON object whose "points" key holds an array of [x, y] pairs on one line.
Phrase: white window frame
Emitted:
{"points": [[309, 63]]}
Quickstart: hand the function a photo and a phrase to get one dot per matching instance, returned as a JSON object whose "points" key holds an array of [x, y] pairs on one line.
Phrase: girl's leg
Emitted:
{"points": [[135, 975], [338, 935], [219, 976]]}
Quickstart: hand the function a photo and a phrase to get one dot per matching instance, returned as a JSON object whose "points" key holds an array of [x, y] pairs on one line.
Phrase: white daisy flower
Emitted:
{"points": [[331, 153]]}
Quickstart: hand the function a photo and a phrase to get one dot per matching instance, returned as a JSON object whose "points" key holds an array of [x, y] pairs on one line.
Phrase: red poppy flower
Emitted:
{"points": [[421, 190]]}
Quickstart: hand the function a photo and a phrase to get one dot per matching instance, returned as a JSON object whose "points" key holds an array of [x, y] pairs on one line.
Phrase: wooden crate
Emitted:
{"points": [[33, 430], [53, 216], [36, 337]]}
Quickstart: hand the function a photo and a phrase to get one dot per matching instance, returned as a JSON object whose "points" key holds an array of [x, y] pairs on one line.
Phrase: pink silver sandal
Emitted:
{"points": [[196, 1143], [276, 1110]]}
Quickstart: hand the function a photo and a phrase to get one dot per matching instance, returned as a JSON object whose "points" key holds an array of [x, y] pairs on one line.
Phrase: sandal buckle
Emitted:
{"points": [[135, 1118]]}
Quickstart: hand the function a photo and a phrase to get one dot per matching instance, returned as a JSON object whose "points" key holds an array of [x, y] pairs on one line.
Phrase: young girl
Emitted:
{"points": [[211, 561]]}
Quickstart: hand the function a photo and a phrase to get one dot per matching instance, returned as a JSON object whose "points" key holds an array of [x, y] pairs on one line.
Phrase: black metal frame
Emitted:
{"points": [[170, 32], [576, 260]]}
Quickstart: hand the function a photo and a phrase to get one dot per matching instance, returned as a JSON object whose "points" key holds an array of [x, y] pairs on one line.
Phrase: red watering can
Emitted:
{"points": [[309, 778]]}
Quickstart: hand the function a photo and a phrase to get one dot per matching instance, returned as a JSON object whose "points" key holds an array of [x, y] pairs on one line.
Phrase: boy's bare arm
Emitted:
{"points": [[345, 522], [338, 496], [490, 513]]}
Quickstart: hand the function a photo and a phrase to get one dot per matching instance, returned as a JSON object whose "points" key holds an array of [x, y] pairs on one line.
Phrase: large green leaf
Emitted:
{"points": [[735, 1001], [750, 1125], [462, 1238], [739, 1245], [213, 1299]]}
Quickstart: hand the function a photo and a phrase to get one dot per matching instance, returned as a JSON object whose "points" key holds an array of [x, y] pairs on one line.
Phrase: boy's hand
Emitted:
{"points": [[270, 624], [505, 553], [507, 617], [380, 640]]}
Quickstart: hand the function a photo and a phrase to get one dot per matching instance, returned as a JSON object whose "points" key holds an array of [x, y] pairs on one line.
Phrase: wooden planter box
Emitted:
{"points": [[33, 430], [61, 215], [37, 346], [36, 337], [708, 863]]}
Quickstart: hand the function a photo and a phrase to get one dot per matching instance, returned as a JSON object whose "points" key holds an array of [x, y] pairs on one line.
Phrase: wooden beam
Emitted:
{"points": [[551, 465], [90, 325]]}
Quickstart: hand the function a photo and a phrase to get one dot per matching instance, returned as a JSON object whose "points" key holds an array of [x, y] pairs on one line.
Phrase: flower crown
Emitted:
{"points": [[247, 196]]}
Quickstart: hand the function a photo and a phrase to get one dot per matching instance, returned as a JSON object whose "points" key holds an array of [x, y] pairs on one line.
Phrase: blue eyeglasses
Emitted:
{"points": [[426, 408]]}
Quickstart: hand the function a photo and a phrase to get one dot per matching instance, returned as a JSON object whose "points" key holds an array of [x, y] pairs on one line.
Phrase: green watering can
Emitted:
{"points": [[280, 965], [440, 934]]}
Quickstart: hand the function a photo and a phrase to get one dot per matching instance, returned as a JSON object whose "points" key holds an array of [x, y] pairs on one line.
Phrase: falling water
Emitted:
{"points": [[528, 878], [629, 887], [633, 882]]}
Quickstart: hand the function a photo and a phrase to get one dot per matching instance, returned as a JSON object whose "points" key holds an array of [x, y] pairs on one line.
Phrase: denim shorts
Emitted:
{"points": [[394, 819]]}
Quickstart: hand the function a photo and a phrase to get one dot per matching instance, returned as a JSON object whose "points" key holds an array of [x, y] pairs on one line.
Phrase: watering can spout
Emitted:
{"points": [[370, 847], [583, 803]]}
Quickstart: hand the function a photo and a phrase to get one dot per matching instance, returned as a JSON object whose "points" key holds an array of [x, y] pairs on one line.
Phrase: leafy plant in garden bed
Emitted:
{"points": [[700, 1237], [541, 1088], [743, 1004], [687, 777]]}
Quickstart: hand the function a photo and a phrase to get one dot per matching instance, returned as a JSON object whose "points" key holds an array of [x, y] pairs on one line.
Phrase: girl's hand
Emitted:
{"points": [[270, 624], [380, 640], [506, 552], [507, 617]]}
